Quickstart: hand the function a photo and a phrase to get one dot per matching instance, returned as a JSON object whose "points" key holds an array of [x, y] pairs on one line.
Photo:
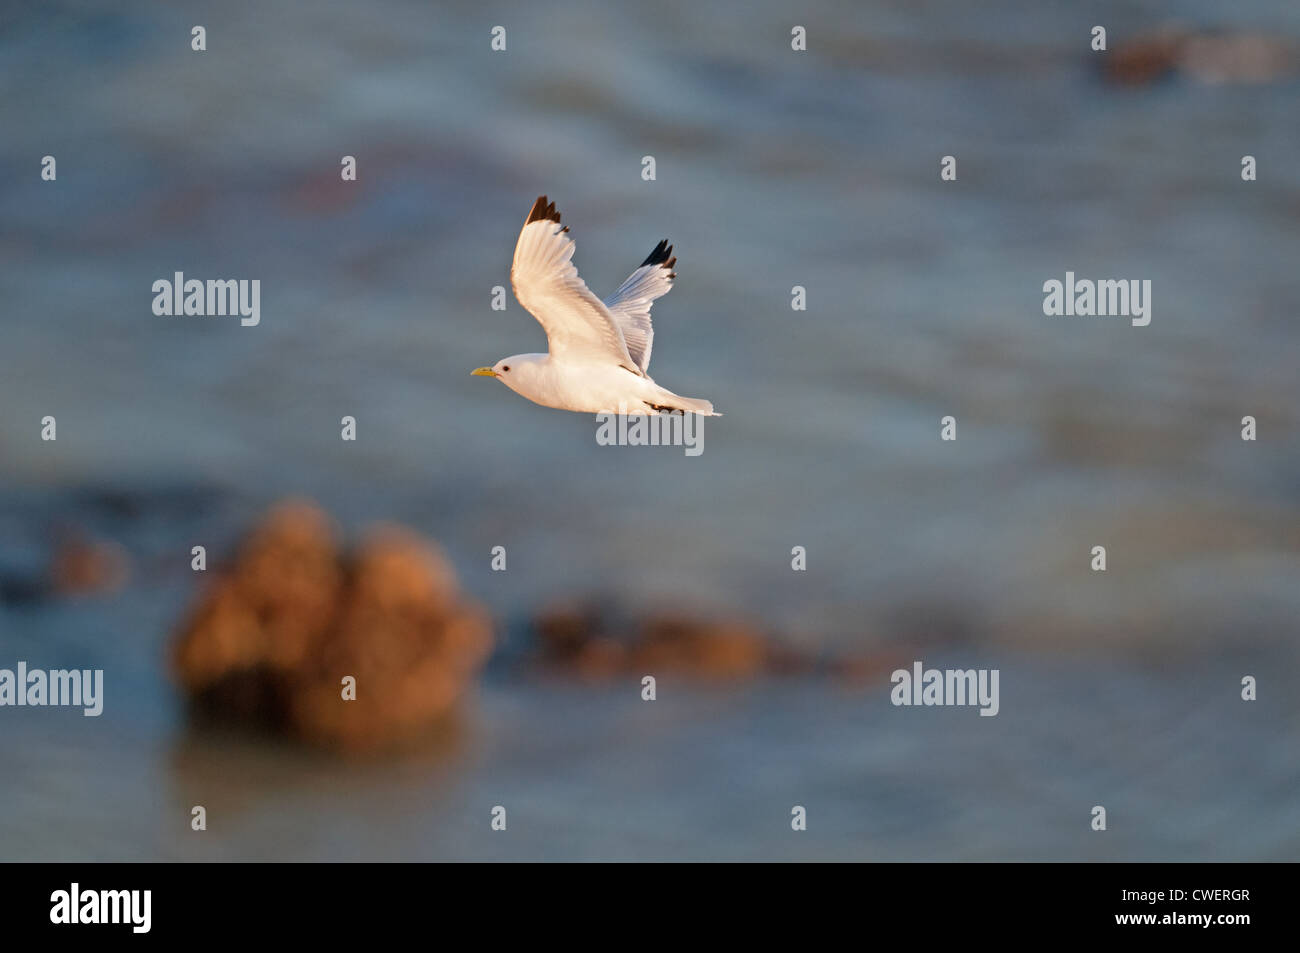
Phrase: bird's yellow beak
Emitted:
{"points": [[483, 372]]}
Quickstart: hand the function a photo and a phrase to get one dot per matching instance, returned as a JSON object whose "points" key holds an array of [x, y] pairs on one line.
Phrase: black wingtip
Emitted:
{"points": [[543, 212], [663, 251]]}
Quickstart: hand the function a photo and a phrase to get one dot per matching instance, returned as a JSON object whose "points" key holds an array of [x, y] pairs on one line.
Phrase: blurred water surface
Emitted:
{"points": [[774, 169]]}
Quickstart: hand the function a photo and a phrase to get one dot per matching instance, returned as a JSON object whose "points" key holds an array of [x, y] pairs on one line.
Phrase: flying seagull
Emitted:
{"points": [[599, 350]]}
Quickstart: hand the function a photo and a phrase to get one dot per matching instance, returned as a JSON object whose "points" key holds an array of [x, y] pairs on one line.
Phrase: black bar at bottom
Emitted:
{"points": [[332, 902]]}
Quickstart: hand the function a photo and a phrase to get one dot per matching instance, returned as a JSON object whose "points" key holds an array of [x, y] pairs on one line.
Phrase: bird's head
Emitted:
{"points": [[512, 371]]}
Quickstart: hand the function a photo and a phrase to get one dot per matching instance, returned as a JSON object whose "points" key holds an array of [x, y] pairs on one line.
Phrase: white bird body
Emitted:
{"points": [[599, 350], [594, 388]]}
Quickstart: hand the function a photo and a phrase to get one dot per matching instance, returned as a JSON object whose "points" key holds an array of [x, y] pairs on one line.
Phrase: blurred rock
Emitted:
{"points": [[83, 566], [264, 613], [1205, 57], [1142, 60], [598, 642], [565, 631], [402, 634], [273, 638], [724, 648], [80, 565]]}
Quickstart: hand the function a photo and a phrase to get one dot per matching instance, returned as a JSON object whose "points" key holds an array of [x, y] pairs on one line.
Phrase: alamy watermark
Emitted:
{"points": [[74, 905], [662, 429], [82, 688], [953, 686], [1108, 297], [212, 297]]}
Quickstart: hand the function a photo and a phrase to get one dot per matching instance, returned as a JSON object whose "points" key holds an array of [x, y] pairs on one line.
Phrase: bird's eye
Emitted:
{"points": [[506, 368]]}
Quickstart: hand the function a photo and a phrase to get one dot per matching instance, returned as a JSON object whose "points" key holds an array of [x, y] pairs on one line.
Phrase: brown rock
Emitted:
{"points": [[593, 642], [401, 636], [278, 633], [601, 658], [265, 612], [564, 631], [721, 649], [82, 566], [1206, 57], [1143, 60]]}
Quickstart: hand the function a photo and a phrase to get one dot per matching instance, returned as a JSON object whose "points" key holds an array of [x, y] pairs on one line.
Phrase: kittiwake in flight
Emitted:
{"points": [[599, 350]]}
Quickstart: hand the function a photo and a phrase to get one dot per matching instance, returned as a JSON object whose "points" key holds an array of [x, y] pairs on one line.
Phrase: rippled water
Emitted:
{"points": [[774, 169]]}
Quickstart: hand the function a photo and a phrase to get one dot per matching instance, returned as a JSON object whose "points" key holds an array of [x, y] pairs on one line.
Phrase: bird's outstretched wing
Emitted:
{"points": [[630, 304], [577, 323]]}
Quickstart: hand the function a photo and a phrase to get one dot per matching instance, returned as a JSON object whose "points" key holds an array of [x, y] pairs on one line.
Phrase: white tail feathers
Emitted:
{"points": [[694, 405], [699, 406]]}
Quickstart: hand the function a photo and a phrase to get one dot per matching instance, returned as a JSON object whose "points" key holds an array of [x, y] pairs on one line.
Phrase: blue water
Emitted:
{"points": [[774, 169]]}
